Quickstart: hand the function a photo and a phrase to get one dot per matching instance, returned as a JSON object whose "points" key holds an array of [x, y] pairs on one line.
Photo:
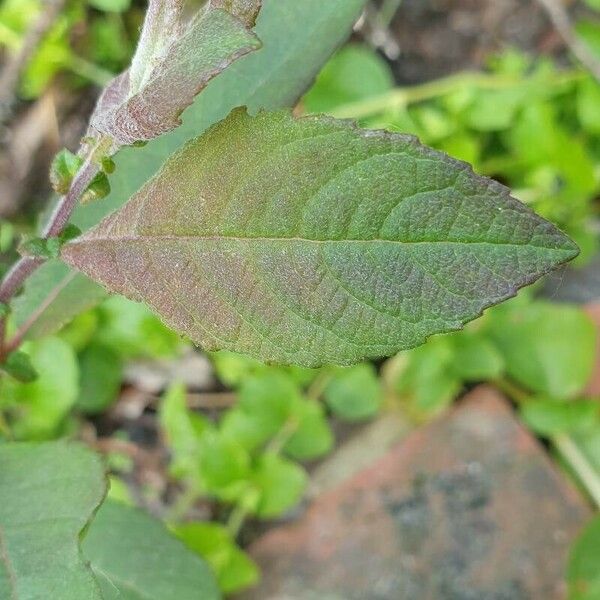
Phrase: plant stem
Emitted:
{"points": [[242, 509], [283, 436], [88, 70], [562, 23], [236, 519], [26, 265], [317, 387], [13, 280], [64, 208], [587, 475], [512, 390], [58, 220], [401, 97], [183, 504], [19, 336]]}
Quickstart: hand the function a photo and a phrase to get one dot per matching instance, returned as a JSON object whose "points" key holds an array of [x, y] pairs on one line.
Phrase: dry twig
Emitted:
{"points": [[562, 23]]}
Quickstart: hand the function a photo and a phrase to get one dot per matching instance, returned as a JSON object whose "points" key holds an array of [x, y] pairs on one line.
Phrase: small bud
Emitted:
{"points": [[18, 365], [108, 165], [63, 169], [48, 247], [70, 232], [99, 188], [40, 247]]}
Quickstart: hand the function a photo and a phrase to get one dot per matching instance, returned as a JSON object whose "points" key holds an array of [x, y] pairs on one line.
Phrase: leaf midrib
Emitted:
{"points": [[250, 239]]}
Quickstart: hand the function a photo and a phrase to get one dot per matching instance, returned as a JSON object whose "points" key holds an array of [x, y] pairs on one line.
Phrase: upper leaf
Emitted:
{"points": [[310, 241], [298, 38], [245, 10], [48, 493], [166, 75], [163, 22]]}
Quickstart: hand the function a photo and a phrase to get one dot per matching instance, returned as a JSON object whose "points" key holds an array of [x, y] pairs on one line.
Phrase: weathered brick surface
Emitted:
{"points": [[467, 508]]}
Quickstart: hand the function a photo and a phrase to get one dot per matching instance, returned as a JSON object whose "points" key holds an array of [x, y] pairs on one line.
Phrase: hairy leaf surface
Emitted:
{"points": [[141, 106], [298, 36], [48, 493], [310, 241], [245, 10]]}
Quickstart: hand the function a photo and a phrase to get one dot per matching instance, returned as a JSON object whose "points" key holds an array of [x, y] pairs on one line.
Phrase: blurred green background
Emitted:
{"points": [[236, 438]]}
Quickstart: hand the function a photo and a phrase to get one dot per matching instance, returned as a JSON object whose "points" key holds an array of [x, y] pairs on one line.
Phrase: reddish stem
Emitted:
{"points": [[26, 265]]}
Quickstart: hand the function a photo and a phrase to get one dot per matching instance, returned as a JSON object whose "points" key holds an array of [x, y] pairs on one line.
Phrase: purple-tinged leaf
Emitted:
{"points": [[147, 101], [245, 10], [162, 24], [298, 37], [310, 241], [112, 97]]}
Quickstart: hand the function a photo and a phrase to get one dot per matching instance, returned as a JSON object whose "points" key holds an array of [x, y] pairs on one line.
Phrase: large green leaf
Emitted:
{"points": [[135, 558], [48, 493], [298, 37], [310, 241]]}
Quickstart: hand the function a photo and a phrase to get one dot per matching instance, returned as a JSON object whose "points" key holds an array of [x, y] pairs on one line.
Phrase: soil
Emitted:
{"points": [[438, 37]]}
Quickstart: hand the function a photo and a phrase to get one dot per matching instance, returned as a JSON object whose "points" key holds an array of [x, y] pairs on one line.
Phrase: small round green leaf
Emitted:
{"points": [[234, 569], [43, 403], [224, 466], [550, 417], [475, 358], [281, 484], [312, 435], [354, 394], [19, 366], [100, 374], [547, 348]]}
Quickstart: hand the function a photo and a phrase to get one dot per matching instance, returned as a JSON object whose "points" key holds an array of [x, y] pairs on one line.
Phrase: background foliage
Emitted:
{"points": [[249, 462]]}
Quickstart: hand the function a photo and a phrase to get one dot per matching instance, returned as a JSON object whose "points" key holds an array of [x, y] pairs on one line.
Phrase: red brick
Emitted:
{"points": [[467, 508]]}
